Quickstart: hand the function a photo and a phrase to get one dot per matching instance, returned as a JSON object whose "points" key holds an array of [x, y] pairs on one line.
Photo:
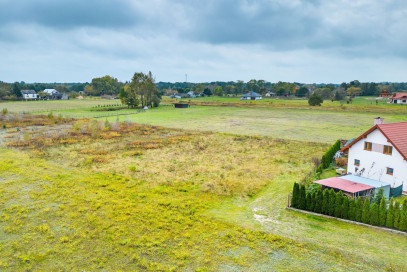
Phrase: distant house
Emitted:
{"points": [[53, 94], [380, 154], [399, 98], [270, 94], [29, 94], [180, 95], [251, 96], [384, 93], [191, 94]]}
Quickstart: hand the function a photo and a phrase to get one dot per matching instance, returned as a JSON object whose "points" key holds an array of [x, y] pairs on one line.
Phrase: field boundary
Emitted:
{"points": [[348, 221]]}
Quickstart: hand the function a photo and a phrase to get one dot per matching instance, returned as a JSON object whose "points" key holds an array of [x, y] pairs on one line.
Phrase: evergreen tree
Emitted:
{"points": [[318, 202], [403, 216], [345, 207], [314, 201], [308, 201], [378, 196], [325, 202], [295, 197], [374, 214], [366, 211], [332, 197], [382, 212], [390, 214], [352, 210], [338, 204], [358, 209], [303, 200], [396, 215]]}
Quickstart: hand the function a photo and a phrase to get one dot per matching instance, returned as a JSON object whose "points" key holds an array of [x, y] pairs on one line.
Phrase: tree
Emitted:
{"points": [[403, 216], [353, 91], [378, 196], [207, 92], [318, 201], [382, 212], [390, 214], [352, 210], [301, 92], [129, 97], [315, 100], [339, 94], [303, 203], [396, 214], [366, 211], [143, 89], [325, 93], [345, 207], [296, 193], [105, 85], [358, 209], [308, 202], [325, 202], [239, 87], [16, 88], [338, 204], [332, 198], [374, 214], [218, 91]]}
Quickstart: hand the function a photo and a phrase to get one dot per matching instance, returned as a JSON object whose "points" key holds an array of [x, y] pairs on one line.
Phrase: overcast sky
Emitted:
{"points": [[226, 40]]}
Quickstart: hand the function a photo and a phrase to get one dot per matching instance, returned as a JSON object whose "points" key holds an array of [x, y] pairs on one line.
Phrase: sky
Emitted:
{"points": [[309, 41]]}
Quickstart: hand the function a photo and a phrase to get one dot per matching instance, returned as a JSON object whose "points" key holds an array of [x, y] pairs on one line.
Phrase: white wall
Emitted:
{"points": [[376, 163], [400, 101]]}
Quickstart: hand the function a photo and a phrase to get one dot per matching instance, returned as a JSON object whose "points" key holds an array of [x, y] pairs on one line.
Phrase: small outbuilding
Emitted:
{"points": [[399, 98], [181, 105], [349, 188], [251, 96], [384, 93]]}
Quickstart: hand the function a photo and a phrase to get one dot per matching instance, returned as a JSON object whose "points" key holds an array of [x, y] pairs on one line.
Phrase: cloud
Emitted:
{"points": [[297, 40]]}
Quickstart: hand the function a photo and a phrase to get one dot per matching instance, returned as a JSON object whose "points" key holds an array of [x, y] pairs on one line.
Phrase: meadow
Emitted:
{"points": [[175, 193]]}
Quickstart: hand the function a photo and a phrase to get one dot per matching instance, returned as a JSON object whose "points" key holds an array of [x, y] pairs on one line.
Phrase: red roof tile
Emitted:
{"points": [[344, 185], [399, 96], [396, 134]]}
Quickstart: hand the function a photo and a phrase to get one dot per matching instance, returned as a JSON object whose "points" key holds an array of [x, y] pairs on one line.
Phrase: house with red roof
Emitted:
{"points": [[399, 98], [380, 154]]}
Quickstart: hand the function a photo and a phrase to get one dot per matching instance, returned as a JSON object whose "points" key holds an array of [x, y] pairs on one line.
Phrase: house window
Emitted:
{"points": [[389, 171], [368, 146], [404, 101], [388, 150], [357, 162]]}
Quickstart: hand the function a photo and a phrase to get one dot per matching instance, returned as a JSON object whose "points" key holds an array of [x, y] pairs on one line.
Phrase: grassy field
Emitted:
{"points": [[299, 123], [118, 196]]}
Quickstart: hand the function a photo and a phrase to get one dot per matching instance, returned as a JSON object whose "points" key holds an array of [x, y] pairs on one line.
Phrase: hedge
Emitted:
{"points": [[336, 204], [327, 158]]}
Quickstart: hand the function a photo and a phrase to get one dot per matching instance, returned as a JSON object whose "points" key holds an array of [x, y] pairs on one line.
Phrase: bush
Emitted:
{"points": [[374, 214], [4, 111], [338, 204], [295, 198], [345, 207], [332, 198], [325, 202], [352, 210], [396, 214], [315, 100], [382, 212], [390, 214], [358, 209], [366, 211]]}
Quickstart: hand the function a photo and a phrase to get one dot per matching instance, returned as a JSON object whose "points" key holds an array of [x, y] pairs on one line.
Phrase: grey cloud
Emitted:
{"points": [[68, 14]]}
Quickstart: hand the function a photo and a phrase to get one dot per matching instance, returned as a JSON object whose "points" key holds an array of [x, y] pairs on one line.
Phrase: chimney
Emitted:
{"points": [[378, 121]]}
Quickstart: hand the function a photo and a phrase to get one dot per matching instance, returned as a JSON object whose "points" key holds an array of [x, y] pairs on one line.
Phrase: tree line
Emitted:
{"points": [[378, 213]]}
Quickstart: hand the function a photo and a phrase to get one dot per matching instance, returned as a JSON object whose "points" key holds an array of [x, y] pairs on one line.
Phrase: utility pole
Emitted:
{"points": [[186, 78]]}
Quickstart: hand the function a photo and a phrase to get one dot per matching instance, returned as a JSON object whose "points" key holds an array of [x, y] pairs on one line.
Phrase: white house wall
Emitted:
{"points": [[375, 163]]}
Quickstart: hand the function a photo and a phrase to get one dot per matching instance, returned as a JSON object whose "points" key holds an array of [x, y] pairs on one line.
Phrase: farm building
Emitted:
{"points": [[269, 94], [399, 98], [53, 94], [384, 93], [29, 94], [380, 154], [251, 96]]}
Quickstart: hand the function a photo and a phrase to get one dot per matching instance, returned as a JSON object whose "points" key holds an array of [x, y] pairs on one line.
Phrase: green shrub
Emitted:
{"points": [[345, 207], [382, 212], [338, 204], [4, 111], [390, 214], [309, 202], [303, 200], [352, 210], [378, 196], [366, 211], [318, 202], [325, 202], [332, 197], [403, 216], [315, 100], [396, 214], [358, 209], [374, 214], [295, 197]]}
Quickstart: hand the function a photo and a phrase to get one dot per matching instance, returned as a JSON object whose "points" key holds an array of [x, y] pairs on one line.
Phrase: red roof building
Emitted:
{"points": [[399, 98], [347, 186], [384, 93], [380, 154]]}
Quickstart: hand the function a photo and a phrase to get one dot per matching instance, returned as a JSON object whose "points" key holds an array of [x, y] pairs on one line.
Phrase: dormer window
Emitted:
{"points": [[368, 146], [388, 150]]}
